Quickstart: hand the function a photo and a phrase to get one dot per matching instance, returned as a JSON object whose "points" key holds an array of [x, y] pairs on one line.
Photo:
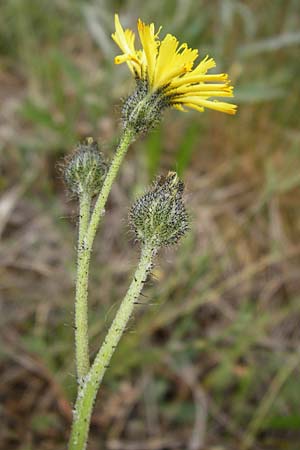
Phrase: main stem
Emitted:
{"points": [[88, 391], [81, 309], [87, 232]]}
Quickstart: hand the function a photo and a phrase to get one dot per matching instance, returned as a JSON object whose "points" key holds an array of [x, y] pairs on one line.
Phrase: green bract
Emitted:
{"points": [[142, 110], [85, 169], [159, 217]]}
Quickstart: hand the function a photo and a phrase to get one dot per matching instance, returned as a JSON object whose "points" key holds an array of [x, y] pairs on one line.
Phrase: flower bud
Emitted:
{"points": [[142, 110], [85, 169], [159, 217]]}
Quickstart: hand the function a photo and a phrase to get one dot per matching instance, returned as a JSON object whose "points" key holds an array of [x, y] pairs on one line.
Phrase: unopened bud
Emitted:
{"points": [[142, 110], [159, 217], [85, 169]]}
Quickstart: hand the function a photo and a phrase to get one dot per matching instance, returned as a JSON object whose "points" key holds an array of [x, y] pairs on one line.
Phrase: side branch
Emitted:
{"points": [[87, 393]]}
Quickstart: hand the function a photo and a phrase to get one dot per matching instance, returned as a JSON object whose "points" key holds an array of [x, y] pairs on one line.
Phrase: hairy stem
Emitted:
{"points": [[84, 216], [87, 231], [88, 391], [81, 309], [125, 141]]}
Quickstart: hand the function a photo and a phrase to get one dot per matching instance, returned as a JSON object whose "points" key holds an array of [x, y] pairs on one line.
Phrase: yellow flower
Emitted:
{"points": [[168, 68]]}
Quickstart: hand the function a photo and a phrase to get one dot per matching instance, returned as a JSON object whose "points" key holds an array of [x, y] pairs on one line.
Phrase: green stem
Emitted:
{"points": [[98, 212], [81, 309], [87, 232], [87, 393], [84, 216]]}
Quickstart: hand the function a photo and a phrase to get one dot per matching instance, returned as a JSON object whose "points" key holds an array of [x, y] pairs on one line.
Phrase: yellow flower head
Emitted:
{"points": [[168, 68]]}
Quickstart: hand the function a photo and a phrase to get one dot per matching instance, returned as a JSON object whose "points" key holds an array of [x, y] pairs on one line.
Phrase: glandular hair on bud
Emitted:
{"points": [[159, 217], [85, 169], [142, 110]]}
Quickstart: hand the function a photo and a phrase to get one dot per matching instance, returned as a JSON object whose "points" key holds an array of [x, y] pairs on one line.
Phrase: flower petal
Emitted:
{"points": [[150, 45]]}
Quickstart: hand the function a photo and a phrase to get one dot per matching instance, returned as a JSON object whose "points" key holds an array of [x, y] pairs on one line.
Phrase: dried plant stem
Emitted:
{"points": [[81, 307], [89, 388]]}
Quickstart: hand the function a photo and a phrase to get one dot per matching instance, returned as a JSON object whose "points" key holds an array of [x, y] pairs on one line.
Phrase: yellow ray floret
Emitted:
{"points": [[167, 66]]}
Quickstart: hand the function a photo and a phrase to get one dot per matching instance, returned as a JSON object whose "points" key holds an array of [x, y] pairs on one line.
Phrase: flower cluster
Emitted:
{"points": [[167, 69]]}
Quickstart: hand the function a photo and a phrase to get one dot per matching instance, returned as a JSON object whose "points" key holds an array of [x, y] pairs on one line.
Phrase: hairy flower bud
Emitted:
{"points": [[159, 217], [85, 169], [142, 110]]}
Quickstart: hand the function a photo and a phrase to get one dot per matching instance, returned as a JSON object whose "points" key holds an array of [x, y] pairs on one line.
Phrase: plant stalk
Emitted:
{"points": [[87, 230], [81, 307], [88, 391], [126, 139]]}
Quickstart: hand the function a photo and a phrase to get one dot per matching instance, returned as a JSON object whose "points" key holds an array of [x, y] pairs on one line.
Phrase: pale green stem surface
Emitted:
{"points": [[81, 307], [98, 212], [87, 232], [84, 216], [88, 391]]}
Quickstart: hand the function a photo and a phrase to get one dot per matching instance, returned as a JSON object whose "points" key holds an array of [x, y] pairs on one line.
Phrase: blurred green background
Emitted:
{"points": [[213, 361]]}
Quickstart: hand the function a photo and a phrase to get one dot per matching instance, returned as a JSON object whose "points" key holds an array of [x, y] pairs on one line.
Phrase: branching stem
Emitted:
{"points": [[88, 225], [89, 388], [98, 212]]}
